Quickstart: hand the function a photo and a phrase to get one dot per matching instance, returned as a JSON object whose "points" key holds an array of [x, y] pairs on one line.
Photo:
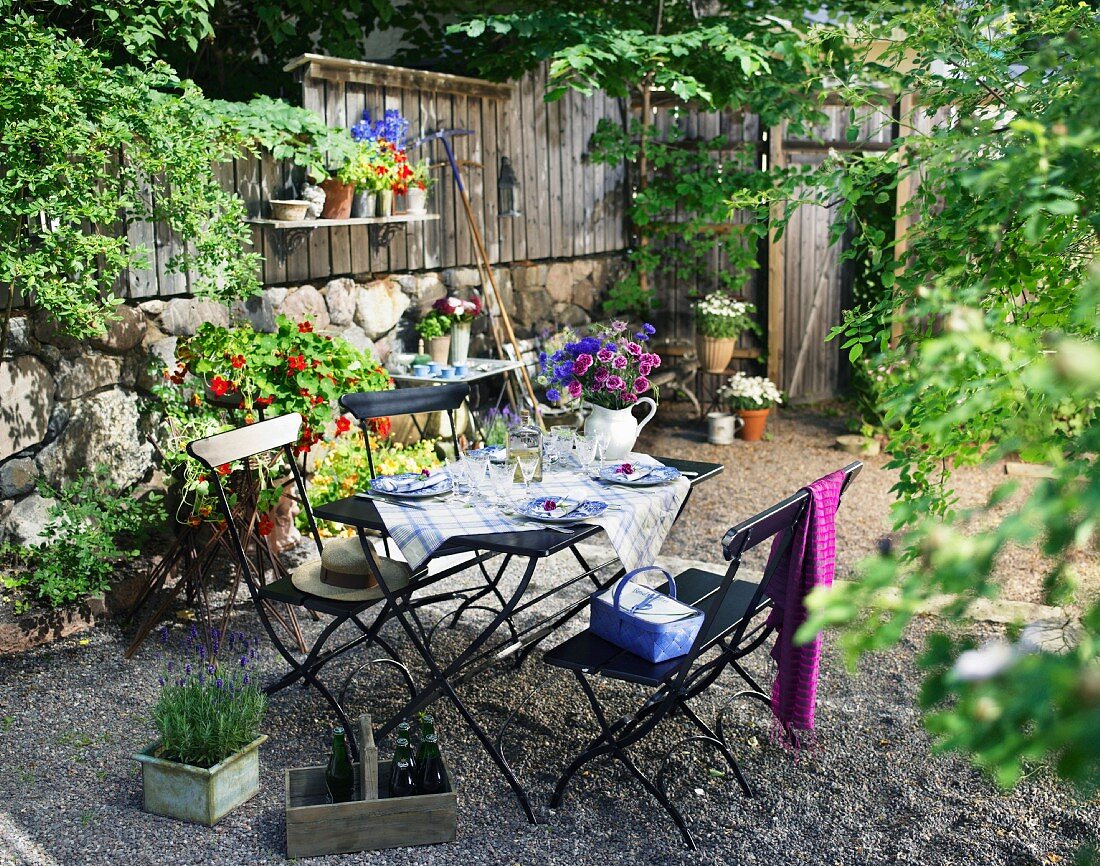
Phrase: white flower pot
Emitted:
{"points": [[416, 200], [619, 425], [460, 341]]}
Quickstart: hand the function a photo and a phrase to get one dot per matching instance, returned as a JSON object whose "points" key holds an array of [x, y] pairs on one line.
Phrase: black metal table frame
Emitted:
{"points": [[533, 545], [475, 378]]}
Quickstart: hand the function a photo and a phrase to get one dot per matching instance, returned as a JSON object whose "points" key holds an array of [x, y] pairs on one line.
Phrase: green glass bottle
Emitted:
{"points": [[431, 776], [338, 774], [404, 782], [427, 725], [402, 752]]}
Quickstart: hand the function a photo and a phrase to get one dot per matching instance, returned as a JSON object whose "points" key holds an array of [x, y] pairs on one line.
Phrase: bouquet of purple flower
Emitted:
{"points": [[609, 368]]}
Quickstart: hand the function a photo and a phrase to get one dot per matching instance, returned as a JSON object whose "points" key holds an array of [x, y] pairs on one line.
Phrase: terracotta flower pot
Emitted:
{"points": [[338, 198], [714, 352], [439, 348], [752, 428]]}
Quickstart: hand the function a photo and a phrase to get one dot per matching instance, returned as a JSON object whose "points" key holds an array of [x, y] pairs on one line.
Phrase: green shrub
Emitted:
{"points": [[91, 529]]}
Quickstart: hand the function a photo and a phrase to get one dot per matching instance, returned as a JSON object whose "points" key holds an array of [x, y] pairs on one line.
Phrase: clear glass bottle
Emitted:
{"points": [[525, 438]]}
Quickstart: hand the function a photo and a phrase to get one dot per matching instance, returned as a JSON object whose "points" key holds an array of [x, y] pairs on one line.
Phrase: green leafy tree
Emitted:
{"points": [[987, 329], [766, 63], [82, 145]]}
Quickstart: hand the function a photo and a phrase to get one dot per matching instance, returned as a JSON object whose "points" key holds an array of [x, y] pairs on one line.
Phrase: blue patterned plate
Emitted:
{"points": [[496, 453], [398, 486], [655, 475], [566, 510]]}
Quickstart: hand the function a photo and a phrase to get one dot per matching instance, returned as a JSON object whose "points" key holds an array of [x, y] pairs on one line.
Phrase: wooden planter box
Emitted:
{"points": [[314, 826]]}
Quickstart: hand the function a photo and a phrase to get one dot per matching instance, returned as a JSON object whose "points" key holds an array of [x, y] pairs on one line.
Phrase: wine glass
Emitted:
{"points": [[501, 477], [528, 465], [603, 442], [561, 442], [460, 480], [476, 464]]}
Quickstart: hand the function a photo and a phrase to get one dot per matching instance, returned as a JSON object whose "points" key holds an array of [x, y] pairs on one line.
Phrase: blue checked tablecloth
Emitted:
{"points": [[636, 521]]}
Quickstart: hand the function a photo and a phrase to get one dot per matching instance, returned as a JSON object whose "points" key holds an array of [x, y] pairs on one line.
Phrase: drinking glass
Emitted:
{"points": [[603, 440], [476, 465], [528, 466], [586, 451], [561, 442], [501, 477]]}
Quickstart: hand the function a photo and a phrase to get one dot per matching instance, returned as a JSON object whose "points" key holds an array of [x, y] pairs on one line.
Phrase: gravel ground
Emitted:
{"points": [[872, 791], [800, 450]]}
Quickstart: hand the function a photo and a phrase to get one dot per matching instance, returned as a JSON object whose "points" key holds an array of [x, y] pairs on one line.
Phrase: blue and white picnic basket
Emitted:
{"points": [[643, 621]]}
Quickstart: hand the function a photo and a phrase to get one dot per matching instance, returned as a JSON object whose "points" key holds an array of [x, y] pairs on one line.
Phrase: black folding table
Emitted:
{"points": [[530, 545]]}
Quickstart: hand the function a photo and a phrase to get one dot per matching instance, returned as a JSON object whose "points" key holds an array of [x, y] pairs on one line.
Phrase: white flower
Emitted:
{"points": [[988, 660], [758, 390]]}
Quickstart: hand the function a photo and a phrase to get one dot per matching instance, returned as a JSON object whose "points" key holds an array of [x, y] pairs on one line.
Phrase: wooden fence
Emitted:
{"points": [[569, 206]]}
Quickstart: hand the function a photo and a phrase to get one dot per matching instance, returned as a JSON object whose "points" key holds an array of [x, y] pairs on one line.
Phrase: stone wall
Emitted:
{"points": [[67, 405]]}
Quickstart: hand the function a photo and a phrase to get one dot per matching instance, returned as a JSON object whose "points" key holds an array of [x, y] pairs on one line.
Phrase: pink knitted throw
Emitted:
{"points": [[809, 562]]}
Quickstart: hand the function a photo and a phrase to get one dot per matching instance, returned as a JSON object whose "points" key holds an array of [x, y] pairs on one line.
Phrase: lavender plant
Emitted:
{"points": [[210, 705]]}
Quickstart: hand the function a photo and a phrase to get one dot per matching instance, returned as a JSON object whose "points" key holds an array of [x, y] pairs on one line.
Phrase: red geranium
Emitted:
{"points": [[305, 327], [266, 525], [264, 401], [343, 425], [224, 469], [295, 364], [237, 361]]}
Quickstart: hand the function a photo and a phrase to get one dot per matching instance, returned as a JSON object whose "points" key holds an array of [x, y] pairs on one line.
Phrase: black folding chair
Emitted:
{"points": [[733, 627], [265, 438]]}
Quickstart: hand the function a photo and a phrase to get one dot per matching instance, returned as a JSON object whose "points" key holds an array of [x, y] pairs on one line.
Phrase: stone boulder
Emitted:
{"points": [[559, 282], [529, 277], [257, 311], [379, 307], [104, 429], [533, 306], [17, 477], [26, 522], [20, 339], [462, 278], [124, 333], [570, 314], [87, 373], [182, 317], [305, 302], [358, 338], [340, 299], [429, 289], [584, 295], [26, 403]]}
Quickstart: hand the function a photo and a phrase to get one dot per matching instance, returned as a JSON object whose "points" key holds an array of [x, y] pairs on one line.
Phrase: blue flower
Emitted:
{"points": [[160, 680], [649, 329], [164, 634], [219, 683], [244, 661], [553, 395], [244, 679]]}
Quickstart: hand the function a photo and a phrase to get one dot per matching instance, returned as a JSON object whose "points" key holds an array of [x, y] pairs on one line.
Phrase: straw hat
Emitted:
{"points": [[343, 574]]}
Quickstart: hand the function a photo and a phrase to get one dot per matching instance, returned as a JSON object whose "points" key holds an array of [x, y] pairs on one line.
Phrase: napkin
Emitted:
{"points": [[408, 483], [640, 470]]}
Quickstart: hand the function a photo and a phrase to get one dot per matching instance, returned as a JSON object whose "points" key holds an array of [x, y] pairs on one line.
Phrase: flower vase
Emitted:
{"points": [[364, 203], [714, 352], [338, 198], [619, 426], [439, 348], [416, 200], [753, 421], [385, 203], [460, 342]]}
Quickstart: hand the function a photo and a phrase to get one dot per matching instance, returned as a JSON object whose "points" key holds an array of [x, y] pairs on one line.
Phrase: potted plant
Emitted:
{"points": [[206, 759], [416, 196], [719, 321], [391, 164], [461, 314], [750, 398], [609, 369], [258, 374], [435, 330], [368, 171]]}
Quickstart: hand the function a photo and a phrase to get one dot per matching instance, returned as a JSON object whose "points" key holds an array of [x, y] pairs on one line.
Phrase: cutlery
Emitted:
{"points": [[403, 503]]}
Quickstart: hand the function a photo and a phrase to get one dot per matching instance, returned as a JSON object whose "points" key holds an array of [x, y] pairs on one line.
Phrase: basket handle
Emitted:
{"points": [[627, 578]]}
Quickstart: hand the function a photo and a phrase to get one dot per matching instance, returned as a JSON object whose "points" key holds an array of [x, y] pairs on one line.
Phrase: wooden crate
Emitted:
{"points": [[315, 826]]}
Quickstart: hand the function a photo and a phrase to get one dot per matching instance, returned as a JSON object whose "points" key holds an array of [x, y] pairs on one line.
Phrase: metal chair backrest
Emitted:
{"points": [[241, 444], [783, 517], [366, 405]]}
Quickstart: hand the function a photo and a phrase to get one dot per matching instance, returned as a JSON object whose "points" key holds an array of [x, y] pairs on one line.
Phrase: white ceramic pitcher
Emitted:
{"points": [[619, 426]]}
